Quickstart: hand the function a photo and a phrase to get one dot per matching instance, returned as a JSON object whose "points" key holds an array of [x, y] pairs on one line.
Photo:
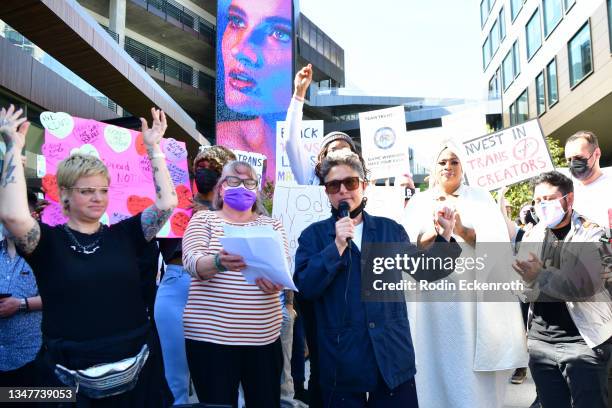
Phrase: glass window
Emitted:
{"points": [[610, 22], [512, 114], [494, 86], [502, 24], [516, 59], [494, 34], [491, 3], [522, 108], [540, 95], [484, 12], [533, 34], [568, 4], [553, 12], [486, 52], [551, 81], [515, 7], [508, 70], [579, 54]]}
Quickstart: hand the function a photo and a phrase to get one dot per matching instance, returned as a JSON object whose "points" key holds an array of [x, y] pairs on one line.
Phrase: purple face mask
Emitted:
{"points": [[239, 198]]}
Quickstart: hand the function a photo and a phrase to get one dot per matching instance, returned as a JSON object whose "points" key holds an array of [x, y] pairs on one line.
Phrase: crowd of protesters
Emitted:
{"points": [[80, 305]]}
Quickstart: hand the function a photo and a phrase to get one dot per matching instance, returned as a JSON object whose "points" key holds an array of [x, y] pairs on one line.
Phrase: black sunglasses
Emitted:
{"points": [[350, 183]]}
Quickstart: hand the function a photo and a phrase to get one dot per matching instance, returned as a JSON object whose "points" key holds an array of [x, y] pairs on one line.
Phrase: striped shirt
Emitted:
{"points": [[226, 309]]}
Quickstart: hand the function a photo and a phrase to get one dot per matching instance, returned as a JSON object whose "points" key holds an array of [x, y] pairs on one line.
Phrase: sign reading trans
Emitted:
{"points": [[254, 74], [384, 142], [506, 157]]}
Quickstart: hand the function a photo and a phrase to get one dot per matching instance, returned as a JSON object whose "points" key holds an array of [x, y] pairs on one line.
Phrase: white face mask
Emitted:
{"points": [[550, 212]]}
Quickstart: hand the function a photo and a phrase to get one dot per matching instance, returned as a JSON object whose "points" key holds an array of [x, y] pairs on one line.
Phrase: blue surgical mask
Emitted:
{"points": [[550, 212]]}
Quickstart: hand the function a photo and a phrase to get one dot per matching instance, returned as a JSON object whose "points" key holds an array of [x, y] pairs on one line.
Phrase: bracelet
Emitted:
{"points": [[27, 304], [298, 98], [218, 264], [157, 156]]}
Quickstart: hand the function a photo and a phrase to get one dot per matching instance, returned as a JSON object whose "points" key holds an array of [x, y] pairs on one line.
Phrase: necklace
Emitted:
{"points": [[85, 249]]}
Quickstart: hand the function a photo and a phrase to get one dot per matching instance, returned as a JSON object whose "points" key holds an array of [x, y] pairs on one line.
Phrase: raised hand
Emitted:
{"points": [[153, 135], [444, 221], [302, 81], [13, 127]]}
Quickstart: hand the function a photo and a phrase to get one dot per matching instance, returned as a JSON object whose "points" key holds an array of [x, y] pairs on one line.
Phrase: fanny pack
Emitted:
{"points": [[105, 380]]}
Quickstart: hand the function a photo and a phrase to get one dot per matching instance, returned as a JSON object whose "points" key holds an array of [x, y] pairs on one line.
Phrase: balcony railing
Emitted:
{"points": [[168, 66], [113, 34], [186, 17]]}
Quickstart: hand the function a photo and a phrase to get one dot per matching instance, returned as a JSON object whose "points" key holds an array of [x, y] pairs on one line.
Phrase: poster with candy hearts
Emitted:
{"points": [[124, 153]]}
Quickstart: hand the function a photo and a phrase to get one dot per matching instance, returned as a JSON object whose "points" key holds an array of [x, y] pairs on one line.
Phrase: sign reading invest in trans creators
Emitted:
{"points": [[506, 157], [124, 153], [384, 142]]}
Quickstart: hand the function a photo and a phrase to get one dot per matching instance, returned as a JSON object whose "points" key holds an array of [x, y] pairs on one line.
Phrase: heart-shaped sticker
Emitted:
{"points": [[178, 223], [59, 124], [86, 149], [174, 150], [119, 139], [137, 204], [49, 186], [184, 197], [141, 149]]}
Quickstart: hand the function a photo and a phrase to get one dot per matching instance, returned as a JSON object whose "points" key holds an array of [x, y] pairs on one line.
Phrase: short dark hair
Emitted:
{"points": [[556, 179], [587, 135]]}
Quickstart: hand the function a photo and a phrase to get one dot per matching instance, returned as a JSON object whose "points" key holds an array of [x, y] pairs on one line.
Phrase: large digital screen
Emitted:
{"points": [[254, 74]]}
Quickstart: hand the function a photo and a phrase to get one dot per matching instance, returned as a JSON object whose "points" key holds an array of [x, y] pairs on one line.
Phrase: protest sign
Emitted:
{"points": [[310, 137], [299, 206], [506, 157], [383, 142], [257, 160], [124, 153]]}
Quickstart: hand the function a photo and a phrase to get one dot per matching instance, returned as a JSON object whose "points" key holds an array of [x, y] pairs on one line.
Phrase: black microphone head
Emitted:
{"points": [[343, 209]]}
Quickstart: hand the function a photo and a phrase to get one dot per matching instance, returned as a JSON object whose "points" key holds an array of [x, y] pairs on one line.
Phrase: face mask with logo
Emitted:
{"points": [[579, 168], [550, 212], [239, 198], [206, 179]]}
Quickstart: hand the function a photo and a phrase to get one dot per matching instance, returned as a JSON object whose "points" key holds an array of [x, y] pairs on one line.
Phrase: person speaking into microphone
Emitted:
{"points": [[366, 355]]}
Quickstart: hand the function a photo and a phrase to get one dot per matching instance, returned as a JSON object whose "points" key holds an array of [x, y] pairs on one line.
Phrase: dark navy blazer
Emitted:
{"points": [[358, 341]]}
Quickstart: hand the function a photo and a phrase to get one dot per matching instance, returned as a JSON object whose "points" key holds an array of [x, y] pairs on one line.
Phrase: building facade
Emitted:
{"points": [[552, 60]]}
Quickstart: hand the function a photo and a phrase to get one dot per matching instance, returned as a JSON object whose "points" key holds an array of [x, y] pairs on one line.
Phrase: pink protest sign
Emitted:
{"points": [[124, 153]]}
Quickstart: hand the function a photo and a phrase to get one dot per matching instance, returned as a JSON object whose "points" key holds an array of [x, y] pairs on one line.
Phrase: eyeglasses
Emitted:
{"points": [[90, 191], [233, 181], [350, 183]]}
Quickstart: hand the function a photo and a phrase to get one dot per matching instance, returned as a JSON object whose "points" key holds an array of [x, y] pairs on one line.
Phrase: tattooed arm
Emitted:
{"points": [[154, 217], [14, 212]]}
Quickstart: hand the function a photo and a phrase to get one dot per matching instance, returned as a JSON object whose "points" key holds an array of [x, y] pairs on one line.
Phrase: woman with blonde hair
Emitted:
{"points": [[232, 327], [466, 350], [96, 334]]}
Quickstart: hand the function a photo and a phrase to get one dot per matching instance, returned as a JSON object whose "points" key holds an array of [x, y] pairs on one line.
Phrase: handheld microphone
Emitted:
{"points": [[343, 211]]}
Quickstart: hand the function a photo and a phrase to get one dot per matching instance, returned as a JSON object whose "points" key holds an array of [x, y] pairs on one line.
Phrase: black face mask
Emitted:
{"points": [[353, 213], [205, 180], [580, 168]]}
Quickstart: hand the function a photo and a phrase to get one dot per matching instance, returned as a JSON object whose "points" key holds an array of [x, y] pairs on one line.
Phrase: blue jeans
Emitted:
{"points": [[169, 304], [570, 375]]}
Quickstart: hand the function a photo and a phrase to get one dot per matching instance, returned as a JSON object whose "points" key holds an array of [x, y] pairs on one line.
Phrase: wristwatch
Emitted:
{"points": [[23, 305]]}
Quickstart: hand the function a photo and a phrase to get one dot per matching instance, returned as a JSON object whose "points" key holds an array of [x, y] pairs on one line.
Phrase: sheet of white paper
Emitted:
{"points": [[264, 256], [235, 231]]}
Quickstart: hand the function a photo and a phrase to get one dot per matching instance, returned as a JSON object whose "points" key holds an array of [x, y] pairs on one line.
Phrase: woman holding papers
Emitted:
{"points": [[466, 351], [231, 327], [366, 353]]}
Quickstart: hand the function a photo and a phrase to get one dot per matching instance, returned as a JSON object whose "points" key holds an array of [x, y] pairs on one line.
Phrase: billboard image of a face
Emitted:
{"points": [[254, 74]]}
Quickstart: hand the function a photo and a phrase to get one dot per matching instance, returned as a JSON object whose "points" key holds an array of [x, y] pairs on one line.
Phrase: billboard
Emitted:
{"points": [[254, 74]]}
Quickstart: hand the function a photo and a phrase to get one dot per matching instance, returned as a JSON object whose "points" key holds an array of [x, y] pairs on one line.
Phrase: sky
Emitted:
{"points": [[416, 48]]}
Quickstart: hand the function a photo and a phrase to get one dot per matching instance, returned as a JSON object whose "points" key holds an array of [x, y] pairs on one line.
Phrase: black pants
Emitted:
{"points": [[307, 311], [25, 376], [218, 369]]}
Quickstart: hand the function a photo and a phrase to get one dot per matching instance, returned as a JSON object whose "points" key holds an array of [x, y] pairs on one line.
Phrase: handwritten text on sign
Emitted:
{"points": [[122, 150], [311, 135], [506, 157]]}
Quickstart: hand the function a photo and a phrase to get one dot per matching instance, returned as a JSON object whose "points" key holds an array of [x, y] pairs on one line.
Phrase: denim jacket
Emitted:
{"points": [[359, 342]]}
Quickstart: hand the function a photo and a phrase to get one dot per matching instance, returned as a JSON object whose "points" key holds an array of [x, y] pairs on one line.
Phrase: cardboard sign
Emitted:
{"points": [[124, 154], [299, 206], [506, 157], [311, 136], [258, 161], [384, 143]]}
